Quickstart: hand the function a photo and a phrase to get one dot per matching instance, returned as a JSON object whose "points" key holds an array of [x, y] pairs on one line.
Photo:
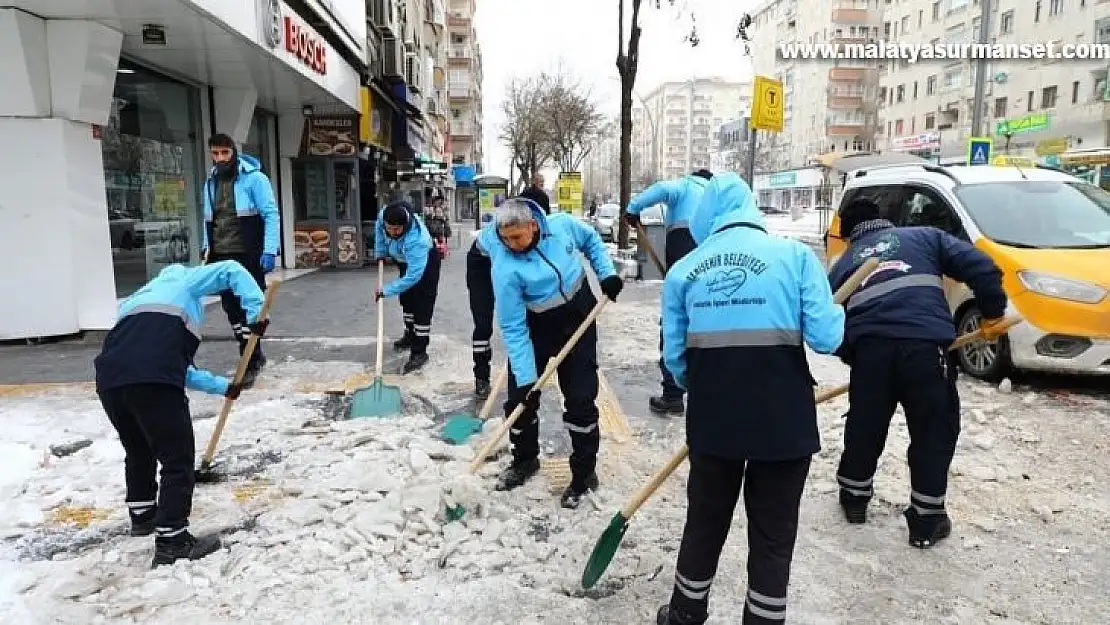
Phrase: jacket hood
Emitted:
{"points": [[697, 180], [727, 200]]}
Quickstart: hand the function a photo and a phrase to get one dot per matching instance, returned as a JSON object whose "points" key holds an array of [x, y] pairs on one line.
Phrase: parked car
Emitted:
{"points": [[605, 221], [654, 215], [1049, 233]]}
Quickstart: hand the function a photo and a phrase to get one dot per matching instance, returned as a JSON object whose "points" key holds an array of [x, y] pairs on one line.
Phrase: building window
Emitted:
{"points": [[930, 121], [905, 24], [1055, 7], [915, 90], [1029, 101], [899, 128], [1048, 97], [920, 18], [953, 79], [913, 125], [1000, 106], [1006, 23], [1075, 92], [1037, 12], [901, 93], [936, 11], [931, 85]]}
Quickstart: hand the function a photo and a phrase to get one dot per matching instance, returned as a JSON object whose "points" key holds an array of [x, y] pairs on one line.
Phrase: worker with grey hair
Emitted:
{"points": [[542, 298]]}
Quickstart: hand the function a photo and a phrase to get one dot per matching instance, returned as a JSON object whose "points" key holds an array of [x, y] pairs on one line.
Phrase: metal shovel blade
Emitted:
{"points": [[377, 400], [458, 428], [604, 550]]}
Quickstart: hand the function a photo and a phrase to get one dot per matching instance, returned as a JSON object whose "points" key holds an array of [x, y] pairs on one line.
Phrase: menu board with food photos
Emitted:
{"points": [[312, 246], [330, 135]]}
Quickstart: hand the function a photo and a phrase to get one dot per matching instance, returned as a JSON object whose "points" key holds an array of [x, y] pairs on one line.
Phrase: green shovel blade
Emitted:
{"points": [[377, 400], [604, 550], [459, 428]]}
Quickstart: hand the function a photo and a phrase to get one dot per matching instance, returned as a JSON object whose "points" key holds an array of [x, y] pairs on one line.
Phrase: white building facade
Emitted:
{"points": [[112, 103]]}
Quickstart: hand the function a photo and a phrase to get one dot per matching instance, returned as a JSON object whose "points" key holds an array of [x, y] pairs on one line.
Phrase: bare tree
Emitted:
{"points": [[737, 160], [572, 119], [524, 132]]}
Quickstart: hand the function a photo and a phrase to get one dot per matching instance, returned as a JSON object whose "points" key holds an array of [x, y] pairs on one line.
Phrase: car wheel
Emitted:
{"points": [[986, 361]]}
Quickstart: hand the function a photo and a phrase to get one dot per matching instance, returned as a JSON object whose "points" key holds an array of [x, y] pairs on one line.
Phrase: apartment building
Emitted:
{"points": [[464, 84], [831, 105], [674, 125], [601, 172], [1031, 107]]}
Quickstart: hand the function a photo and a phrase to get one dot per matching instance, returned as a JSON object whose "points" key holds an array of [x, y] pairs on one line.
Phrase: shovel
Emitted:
{"points": [[460, 427], [207, 474], [610, 540], [379, 399]]}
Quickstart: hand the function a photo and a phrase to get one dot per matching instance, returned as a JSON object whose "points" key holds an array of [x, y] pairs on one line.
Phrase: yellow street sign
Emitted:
{"points": [[767, 104]]}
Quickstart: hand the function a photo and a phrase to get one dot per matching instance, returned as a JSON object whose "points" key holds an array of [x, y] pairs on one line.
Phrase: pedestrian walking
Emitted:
{"points": [[535, 192], [736, 313], [439, 226], [681, 197], [897, 335], [542, 297], [403, 236], [143, 369], [241, 223]]}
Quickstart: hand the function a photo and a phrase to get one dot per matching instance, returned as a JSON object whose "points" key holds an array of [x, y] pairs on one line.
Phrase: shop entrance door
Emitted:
{"points": [[328, 220]]}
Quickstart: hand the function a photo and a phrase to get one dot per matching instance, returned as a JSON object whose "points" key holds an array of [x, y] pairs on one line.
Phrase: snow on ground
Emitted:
{"points": [[331, 521], [807, 228]]}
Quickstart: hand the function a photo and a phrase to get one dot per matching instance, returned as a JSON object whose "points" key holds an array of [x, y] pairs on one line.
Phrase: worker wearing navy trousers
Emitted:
{"points": [[737, 313], [143, 369], [681, 197], [897, 335]]}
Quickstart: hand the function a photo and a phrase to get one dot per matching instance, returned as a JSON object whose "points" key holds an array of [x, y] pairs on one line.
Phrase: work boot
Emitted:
{"points": [[675, 616], [481, 389], [517, 474], [184, 546], [250, 376], [666, 405], [403, 343], [574, 494], [415, 362], [855, 509], [927, 530]]}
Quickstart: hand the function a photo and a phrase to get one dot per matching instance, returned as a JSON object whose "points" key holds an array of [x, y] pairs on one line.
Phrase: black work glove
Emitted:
{"points": [[612, 286], [258, 328], [233, 391], [633, 220]]}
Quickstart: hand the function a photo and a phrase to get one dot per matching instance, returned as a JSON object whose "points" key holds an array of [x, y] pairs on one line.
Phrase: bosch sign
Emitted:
{"points": [[306, 46]]}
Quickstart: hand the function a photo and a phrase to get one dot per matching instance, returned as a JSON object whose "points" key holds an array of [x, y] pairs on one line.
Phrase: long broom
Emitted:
{"points": [[610, 540]]}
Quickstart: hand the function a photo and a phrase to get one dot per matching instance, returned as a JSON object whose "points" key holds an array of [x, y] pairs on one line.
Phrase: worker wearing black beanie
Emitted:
{"points": [[404, 237]]}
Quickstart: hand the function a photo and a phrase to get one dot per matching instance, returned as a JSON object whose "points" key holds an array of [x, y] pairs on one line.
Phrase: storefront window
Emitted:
{"points": [[260, 139], [152, 175]]}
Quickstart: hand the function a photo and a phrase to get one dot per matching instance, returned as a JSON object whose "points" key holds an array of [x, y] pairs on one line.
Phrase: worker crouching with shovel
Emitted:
{"points": [[737, 313], [141, 375], [542, 298]]}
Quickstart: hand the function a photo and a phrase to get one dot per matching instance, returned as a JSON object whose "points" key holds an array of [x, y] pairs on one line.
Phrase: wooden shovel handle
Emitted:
{"points": [[381, 322], [240, 372], [660, 476], [852, 283], [549, 371], [963, 341], [642, 240], [495, 390]]}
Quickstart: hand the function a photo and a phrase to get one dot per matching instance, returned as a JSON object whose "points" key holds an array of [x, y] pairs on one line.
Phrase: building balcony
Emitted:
{"points": [[459, 92], [840, 102], [463, 130], [851, 74], [846, 40], [845, 15], [460, 54], [458, 19], [843, 128], [439, 77]]}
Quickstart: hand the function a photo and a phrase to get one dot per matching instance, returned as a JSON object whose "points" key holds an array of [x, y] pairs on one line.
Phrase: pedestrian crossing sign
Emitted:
{"points": [[979, 150]]}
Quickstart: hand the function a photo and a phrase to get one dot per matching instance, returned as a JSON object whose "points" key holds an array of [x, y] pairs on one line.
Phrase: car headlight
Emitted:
{"points": [[1062, 288]]}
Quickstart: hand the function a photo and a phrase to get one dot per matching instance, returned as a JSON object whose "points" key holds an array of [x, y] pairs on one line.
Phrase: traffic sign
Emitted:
{"points": [[767, 104], [979, 150]]}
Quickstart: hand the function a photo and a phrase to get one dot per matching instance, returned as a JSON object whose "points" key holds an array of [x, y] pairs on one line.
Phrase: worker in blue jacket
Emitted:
{"points": [[896, 340], [479, 286], [142, 372], [241, 223], [737, 313], [542, 297], [402, 235], [681, 197]]}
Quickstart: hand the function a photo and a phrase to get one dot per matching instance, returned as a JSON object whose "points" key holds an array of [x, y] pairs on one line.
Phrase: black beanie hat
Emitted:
{"points": [[397, 213]]}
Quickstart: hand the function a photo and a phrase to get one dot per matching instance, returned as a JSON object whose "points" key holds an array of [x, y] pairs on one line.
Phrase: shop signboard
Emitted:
{"points": [[925, 140], [374, 125], [347, 247], [569, 192], [1049, 147], [330, 135], [784, 179], [312, 246], [1033, 122], [488, 200]]}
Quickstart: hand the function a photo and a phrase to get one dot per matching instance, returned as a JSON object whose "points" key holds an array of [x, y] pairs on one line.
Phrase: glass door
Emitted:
{"points": [[346, 217]]}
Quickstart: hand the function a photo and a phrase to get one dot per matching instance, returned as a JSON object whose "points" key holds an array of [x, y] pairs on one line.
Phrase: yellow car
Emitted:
{"points": [[1049, 233]]}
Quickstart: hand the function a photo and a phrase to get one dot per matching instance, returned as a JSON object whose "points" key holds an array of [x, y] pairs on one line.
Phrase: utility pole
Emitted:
{"points": [[751, 152], [981, 70]]}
